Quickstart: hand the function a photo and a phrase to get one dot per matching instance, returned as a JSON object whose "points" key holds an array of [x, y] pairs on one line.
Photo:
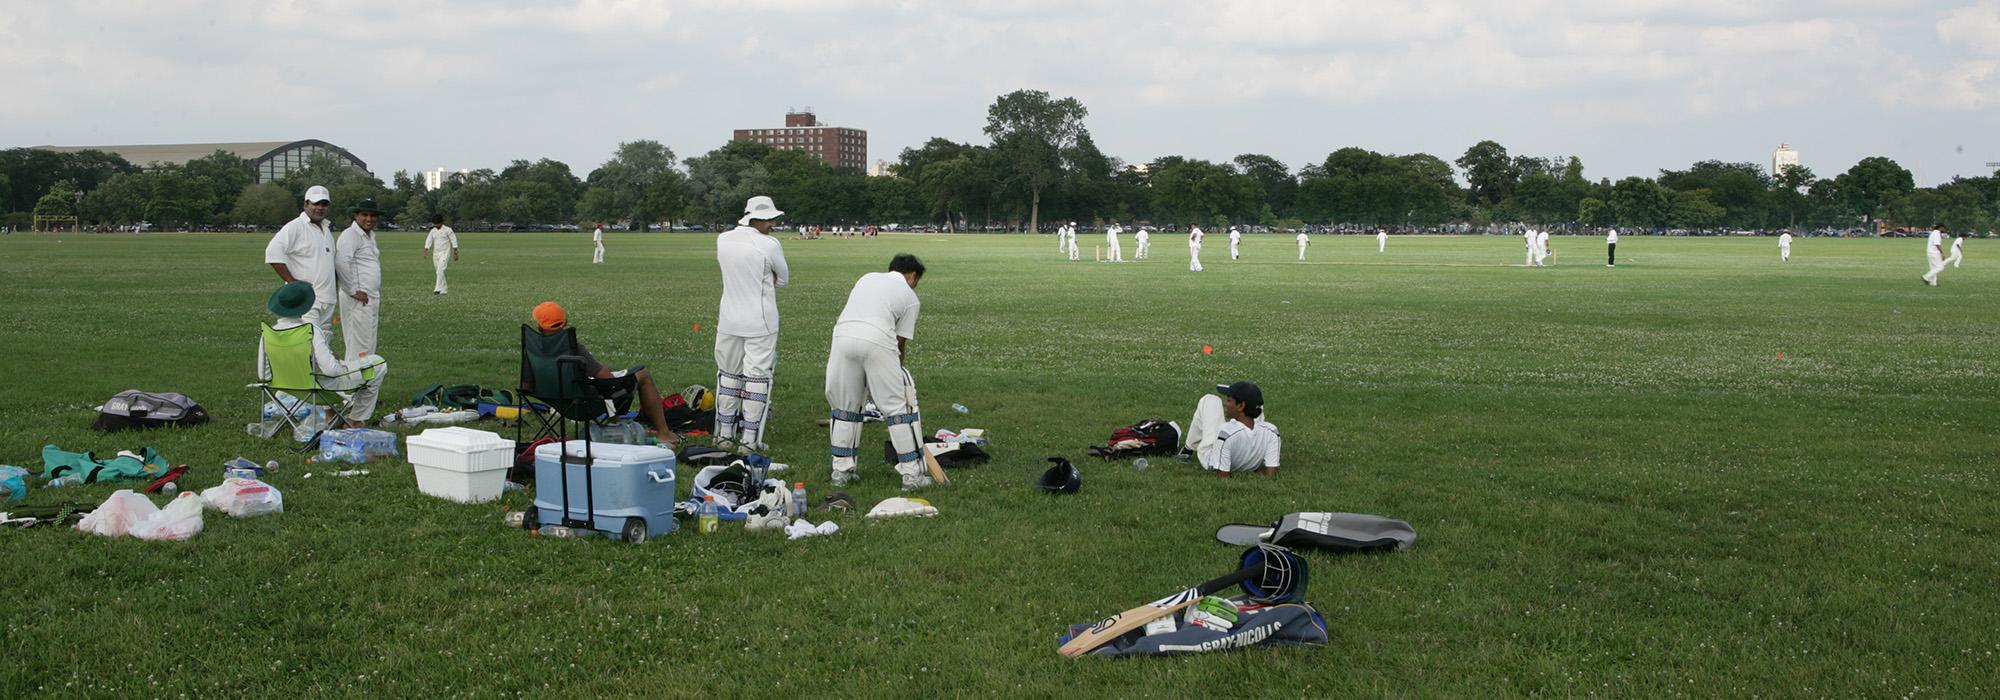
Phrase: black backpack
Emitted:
{"points": [[1152, 436], [137, 410]]}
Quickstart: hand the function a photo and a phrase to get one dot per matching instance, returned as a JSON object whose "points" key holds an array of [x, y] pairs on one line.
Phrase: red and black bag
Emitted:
{"points": [[1152, 436]]}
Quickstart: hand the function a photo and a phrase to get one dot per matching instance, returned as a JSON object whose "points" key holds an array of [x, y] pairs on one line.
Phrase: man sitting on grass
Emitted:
{"points": [[1228, 433], [550, 320], [362, 375]]}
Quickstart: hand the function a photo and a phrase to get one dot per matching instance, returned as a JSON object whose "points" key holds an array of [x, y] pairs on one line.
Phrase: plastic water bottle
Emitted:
{"points": [[799, 499], [1140, 464], [707, 520], [959, 407], [66, 480], [556, 531]]}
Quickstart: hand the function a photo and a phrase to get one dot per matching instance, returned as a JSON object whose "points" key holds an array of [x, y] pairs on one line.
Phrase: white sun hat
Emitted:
{"points": [[759, 207]]}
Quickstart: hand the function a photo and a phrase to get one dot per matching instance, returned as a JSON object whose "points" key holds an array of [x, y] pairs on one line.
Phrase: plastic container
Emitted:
{"points": [[707, 520], [632, 487], [13, 483], [461, 464], [959, 407], [623, 432], [65, 480], [356, 445], [798, 499]]}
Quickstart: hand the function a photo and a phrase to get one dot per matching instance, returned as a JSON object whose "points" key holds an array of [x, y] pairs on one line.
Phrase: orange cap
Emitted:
{"points": [[549, 316]]}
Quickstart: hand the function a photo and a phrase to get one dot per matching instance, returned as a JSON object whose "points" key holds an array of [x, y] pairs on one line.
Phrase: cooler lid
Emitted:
{"points": [[609, 452], [459, 439]]}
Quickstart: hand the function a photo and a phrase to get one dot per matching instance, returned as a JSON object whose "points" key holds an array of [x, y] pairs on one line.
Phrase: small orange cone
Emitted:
{"points": [[697, 328], [1206, 350]]}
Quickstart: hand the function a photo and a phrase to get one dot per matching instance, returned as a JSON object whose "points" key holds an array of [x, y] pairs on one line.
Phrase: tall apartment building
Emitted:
{"points": [[1783, 159], [838, 146]]}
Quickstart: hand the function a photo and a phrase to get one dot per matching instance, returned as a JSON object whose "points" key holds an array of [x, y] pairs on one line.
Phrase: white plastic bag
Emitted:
{"points": [[118, 514], [244, 498], [180, 520]]}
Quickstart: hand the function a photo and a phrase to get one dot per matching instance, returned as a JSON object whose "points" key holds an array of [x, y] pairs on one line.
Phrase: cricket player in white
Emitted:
{"points": [[1529, 236], [442, 244], [746, 331], [303, 251], [1957, 250], [597, 241], [865, 363], [1541, 247], [1611, 247], [1072, 241], [1934, 253], [1785, 247], [358, 262], [1112, 253], [1304, 240], [1145, 243], [1235, 241], [1194, 249], [1062, 241], [1381, 240], [1228, 433]]}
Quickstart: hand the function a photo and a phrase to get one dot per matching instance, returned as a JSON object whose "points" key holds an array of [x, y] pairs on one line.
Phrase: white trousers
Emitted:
{"points": [[1937, 266], [366, 383], [743, 367], [1956, 258], [598, 256], [1531, 255], [1381, 245], [321, 313], [1144, 248], [1784, 253], [1302, 252], [1194, 257], [441, 262], [1233, 251], [858, 371], [357, 325], [1114, 253]]}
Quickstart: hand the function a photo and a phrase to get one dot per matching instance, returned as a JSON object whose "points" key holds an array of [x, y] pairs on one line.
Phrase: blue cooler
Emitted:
{"points": [[629, 489]]}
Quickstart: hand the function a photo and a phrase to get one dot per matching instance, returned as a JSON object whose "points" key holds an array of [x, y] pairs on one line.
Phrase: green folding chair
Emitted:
{"points": [[289, 353]]}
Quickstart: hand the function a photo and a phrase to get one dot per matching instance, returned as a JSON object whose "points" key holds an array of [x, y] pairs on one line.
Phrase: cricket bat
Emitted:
{"points": [[1116, 626], [930, 460]]}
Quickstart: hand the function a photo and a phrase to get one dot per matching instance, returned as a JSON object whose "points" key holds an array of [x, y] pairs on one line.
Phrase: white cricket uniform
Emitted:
{"points": [[1062, 241], [1611, 248], [359, 262], [1541, 247], [1784, 247], [865, 364], [1235, 241], [1303, 241], [597, 240], [1957, 252], [442, 244], [1934, 256], [746, 332], [1145, 243], [1381, 241], [1528, 236], [307, 250], [1224, 445], [1194, 249], [363, 376], [1111, 250]]}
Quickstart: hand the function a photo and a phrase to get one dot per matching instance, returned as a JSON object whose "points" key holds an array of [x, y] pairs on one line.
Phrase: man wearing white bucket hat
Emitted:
{"points": [[303, 251], [746, 331]]}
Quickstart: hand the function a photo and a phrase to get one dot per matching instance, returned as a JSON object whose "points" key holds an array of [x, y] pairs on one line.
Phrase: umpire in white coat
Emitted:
{"points": [[870, 340], [746, 329]]}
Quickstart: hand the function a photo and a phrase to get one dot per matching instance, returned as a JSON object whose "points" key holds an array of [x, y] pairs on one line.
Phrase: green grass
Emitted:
{"points": [[1620, 485]]}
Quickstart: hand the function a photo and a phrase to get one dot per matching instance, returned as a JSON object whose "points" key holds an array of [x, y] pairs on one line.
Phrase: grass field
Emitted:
{"points": [[1698, 474]]}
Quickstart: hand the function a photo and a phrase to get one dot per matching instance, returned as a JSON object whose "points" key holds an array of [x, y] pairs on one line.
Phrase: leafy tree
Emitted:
{"points": [[60, 200], [1591, 211], [1872, 184], [720, 181], [1280, 187], [267, 204], [1198, 190], [1489, 172], [1692, 209], [1637, 201], [635, 177], [1032, 133], [221, 176], [1788, 193], [1741, 189]]}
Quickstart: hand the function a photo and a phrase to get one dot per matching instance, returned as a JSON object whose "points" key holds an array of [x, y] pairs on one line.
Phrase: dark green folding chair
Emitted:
{"points": [[552, 374]]}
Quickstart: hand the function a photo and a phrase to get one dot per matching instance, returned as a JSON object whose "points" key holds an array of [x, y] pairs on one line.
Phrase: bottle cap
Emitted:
{"points": [[798, 484], [709, 497]]}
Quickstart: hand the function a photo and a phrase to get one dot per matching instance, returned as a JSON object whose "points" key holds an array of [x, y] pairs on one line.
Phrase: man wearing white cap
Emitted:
{"points": [[1112, 253], [597, 239], [1194, 248], [1145, 243], [303, 251], [1303, 242], [746, 331], [357, 261], [1235, 239]]}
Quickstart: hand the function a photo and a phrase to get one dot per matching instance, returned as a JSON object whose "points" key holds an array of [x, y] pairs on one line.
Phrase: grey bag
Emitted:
{"points": [[1336, 532], [133, 409]]}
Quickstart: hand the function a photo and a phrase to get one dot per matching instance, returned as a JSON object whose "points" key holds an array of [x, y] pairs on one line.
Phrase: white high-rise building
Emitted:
{"points": [[434, 179], [1783, 159]]}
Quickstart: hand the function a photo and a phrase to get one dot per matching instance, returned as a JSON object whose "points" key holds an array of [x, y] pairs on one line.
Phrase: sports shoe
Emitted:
{"points": [[843, 478], [912, 482]]}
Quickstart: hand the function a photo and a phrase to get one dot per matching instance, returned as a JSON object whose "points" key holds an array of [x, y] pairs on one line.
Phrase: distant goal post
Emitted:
{"points": [[50, 222]]}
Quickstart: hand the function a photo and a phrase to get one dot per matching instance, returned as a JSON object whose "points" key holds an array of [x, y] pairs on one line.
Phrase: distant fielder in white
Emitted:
{"points": [[1381, 241], [1228, 433], [1611, 247], [1785, 247], [1063, 234], [746, 330], [442, 244], [1934, 254], [1303, 242], [1957, 250], [1112, 253], [1542, 253], [597, 239], [1235, 240], [1072, 241], [1145, 243], [1194, 249], [865, 363], [1528, 236]]}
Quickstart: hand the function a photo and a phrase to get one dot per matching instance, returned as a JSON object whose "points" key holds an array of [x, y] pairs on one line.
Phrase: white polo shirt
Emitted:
{"points": [[1240, 448], [1194, 237], [1141, 236], [1784, 240], [307, 250], [441, 242], [1611, 236], [1235, 236], [358, 260], [881, 308], [1302, 240], [1931, 247], [753, 268]]}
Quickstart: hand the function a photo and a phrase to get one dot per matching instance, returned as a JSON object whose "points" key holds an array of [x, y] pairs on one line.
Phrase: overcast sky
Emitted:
{"points": [[1629, 86]]}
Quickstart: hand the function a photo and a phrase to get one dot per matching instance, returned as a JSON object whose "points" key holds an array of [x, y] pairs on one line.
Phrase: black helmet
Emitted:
{"points": [[1061, 478]]}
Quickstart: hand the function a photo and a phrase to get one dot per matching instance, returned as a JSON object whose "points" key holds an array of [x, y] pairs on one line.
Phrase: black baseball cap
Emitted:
{"points": [[1245, 392]]}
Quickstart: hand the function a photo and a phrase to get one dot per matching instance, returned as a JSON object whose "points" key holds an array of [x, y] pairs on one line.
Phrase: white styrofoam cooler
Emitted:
{"points": [[461, 464]]}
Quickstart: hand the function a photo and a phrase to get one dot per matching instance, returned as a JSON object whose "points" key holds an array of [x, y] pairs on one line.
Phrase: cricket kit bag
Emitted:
{"points": [[1152, 436], [1339, 533], [136, 410], [1284, 625]]}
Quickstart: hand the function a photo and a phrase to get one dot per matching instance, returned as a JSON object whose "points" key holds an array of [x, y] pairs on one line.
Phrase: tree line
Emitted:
{"points": [[1040, 166]]}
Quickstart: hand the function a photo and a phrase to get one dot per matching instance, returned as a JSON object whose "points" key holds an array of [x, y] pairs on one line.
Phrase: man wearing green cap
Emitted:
{"points": [[363, 376], [357, 263]]}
